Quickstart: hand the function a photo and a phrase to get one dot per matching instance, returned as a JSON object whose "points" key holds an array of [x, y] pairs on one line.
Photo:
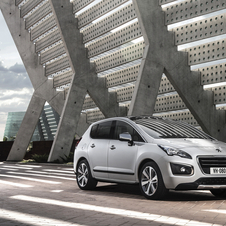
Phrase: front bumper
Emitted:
{"points": [[204, 183], [199, 179]]}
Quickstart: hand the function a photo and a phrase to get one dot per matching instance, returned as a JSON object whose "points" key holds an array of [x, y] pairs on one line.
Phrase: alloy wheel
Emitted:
{"points": [[149, 180], [83, 174]]}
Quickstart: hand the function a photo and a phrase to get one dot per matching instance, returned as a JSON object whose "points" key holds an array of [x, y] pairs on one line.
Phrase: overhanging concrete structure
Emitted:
{"points": [[102, 69]]}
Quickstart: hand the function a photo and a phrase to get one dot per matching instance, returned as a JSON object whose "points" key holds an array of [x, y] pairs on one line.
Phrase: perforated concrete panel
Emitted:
{"points": [[57, 65], [116, 19], [79, 4], [62, 79], [125, 94], [98, 10], [165, 86], [169, 103], [28, 6], [213, 74], [123, 76], [17, 2], [43, 27], [52, 53], [40, 13], [161, 2], [48, 40], [89, 103], [95, 115], [114, 40], [120, 57], [206, 28], [191, 8], [219, 95], [207, 52]]}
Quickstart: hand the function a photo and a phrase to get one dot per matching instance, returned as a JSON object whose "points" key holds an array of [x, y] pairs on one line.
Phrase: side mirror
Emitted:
{"points": [[126, 137]]}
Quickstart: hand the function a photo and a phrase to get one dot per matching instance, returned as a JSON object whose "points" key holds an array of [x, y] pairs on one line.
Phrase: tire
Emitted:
{"points": [[151, 182], [220, 193], [84, 177]]}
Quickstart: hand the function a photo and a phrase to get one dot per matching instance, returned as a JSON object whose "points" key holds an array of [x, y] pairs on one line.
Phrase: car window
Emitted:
{"points": [[122, 127], [101, 131]]}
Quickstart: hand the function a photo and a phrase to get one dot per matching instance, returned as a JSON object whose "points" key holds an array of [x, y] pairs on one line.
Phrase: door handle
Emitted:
{"points": [[112, 147], [92, 146]]}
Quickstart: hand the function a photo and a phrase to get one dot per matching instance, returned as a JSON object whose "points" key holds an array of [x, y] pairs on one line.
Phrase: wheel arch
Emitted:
{"points": [[144, 161], [79, 160]]}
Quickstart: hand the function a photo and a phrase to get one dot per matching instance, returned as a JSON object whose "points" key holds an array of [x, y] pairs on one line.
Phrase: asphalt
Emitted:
{"points": [[47, 194]]}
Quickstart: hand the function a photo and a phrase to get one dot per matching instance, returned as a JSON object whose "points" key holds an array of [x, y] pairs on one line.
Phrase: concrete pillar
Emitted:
{"points": [[84, 80], [147, 86], [27, 129], [164, 55], [43, 87], [68, 123]]}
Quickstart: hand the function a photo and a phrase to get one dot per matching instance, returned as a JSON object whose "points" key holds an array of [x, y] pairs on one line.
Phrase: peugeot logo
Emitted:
{"points": [[219, 149]]}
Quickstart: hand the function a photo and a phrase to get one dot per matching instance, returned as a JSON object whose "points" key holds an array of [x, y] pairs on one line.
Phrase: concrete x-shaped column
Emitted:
{"points": [[85, 81], [43, 88], [161, 56]]}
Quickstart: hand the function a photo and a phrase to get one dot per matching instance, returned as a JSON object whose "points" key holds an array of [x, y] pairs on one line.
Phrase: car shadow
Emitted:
{"points": [[133, 191]]}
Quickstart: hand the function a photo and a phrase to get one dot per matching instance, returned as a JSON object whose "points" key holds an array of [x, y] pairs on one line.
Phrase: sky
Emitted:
{"points": [[15, 85]]}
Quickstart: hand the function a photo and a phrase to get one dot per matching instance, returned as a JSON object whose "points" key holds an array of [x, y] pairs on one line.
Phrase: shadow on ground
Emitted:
{"points": [[133, 191]]}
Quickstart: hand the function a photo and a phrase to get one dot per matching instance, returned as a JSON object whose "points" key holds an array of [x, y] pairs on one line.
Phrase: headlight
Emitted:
{"points": [[173, 151]]}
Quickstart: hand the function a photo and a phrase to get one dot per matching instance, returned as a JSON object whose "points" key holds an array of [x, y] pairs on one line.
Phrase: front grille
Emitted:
{"points": [[207, 163], [212, 181]]}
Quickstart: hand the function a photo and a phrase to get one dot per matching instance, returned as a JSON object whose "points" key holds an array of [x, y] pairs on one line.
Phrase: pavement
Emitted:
{"points": [[47, 194]]}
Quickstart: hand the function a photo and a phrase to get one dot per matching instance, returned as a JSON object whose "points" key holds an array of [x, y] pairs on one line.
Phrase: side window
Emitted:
{"points": [[122, 127], [101, 131]]}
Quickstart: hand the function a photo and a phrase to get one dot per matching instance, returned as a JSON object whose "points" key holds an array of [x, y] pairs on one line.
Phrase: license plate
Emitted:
{"points": [[218, 170]]}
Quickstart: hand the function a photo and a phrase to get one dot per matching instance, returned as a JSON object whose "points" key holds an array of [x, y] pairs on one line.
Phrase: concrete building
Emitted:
{"points": [[45, 130], [98, 58]]}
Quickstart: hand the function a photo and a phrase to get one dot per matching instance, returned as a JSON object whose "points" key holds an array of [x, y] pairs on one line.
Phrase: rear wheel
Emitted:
{"points": [[151, 182], [84, 177], [219, 192]]}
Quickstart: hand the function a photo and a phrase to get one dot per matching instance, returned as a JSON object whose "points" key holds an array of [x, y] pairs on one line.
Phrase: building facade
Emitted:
{"points": [[13, 123], [45, 130], [92, 59]]}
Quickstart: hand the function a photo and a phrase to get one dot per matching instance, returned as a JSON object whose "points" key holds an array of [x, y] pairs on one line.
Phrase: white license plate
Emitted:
{"points": [[216, 170]]}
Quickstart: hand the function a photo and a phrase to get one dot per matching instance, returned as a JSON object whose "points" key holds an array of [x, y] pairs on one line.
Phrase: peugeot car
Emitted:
{"points": [[159, 154]]}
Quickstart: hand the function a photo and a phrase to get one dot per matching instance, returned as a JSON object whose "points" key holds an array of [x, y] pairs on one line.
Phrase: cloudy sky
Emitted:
{"points": [[15, 85]]}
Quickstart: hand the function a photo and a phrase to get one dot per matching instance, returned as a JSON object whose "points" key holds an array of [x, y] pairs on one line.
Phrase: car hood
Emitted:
{"points": [[196, 146]]}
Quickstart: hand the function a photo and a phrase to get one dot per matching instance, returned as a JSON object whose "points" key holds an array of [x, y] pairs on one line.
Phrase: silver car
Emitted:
{"points": [[159, 154]]}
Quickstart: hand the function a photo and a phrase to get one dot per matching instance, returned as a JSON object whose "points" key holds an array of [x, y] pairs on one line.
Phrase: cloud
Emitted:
{"points": [[2, 68], [14, 78], [15, 91], [18, 68], [13, 101]]}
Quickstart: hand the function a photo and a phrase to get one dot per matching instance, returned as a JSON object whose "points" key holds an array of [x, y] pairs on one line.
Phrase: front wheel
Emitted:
{"points": [[84, 177], [220, 193], [151, 182]]}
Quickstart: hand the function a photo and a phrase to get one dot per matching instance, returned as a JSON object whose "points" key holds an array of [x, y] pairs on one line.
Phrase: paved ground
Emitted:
{"points": [[48, 195]]}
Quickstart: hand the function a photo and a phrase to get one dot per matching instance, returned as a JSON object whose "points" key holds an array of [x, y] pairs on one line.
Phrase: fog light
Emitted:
{"points": [[178, 169]]}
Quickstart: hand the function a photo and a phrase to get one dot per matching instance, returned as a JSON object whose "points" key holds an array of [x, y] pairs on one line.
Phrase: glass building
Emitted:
{"points": [[45, 129]]}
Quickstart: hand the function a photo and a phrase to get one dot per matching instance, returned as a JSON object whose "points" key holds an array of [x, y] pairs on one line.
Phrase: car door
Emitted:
{"points": [[98, 149], [121, 156]]}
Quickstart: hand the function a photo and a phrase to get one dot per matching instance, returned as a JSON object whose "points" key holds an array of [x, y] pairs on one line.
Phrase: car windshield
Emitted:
{"points": [[167, 128]]}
